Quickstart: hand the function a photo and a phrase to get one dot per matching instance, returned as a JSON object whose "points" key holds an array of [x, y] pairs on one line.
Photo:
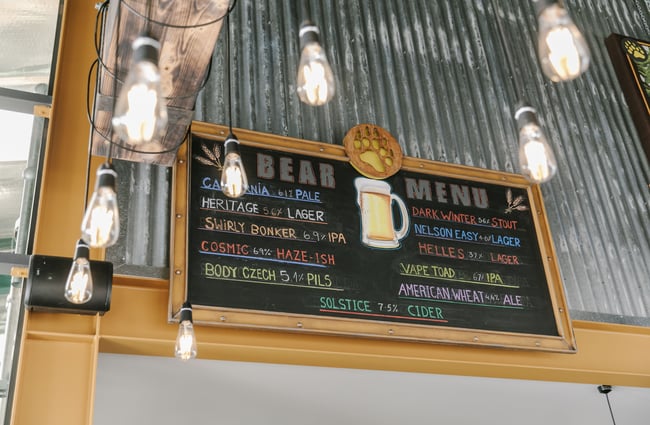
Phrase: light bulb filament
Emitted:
{"points": [[101, 221], [316, 86], [315, 80], [537, 160], [563, 53], [100, 226], [79, 284], [233, 182], [185, 348], [140, 117]]}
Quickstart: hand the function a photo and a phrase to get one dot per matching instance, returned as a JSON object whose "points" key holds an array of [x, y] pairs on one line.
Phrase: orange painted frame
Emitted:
{"points": [[565, 342]]}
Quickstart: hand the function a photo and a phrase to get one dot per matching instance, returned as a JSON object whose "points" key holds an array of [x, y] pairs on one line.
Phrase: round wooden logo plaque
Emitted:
{"points": [[373, 151]]}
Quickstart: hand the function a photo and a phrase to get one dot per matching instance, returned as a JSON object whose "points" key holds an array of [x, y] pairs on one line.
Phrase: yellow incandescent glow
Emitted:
{"points": [[140, 118], [563, 53]]}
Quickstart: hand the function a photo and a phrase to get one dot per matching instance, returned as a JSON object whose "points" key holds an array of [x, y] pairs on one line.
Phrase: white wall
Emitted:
{"points": [[138, 390]]}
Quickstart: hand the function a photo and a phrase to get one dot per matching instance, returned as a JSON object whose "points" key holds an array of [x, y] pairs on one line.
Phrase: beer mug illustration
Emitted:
{"points": [[375, 200]]}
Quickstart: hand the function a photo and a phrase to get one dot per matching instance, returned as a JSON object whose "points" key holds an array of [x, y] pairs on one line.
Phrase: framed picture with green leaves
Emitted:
{"points": [[631, 60]]}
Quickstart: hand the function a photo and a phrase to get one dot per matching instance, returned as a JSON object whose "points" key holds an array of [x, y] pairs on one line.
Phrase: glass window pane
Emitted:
{"points": [[20, 151], [27, 34], [10, 317], [14, 154]]}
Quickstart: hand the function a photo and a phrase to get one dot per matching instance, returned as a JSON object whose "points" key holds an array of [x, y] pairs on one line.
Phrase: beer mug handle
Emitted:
{"points": [[399, 234]]}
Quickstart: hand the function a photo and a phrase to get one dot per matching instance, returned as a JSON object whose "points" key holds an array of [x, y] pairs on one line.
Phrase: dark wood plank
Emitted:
{"points": [[184, 58]]}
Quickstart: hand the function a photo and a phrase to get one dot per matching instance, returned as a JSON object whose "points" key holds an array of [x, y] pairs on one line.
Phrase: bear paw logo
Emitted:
{"points": [[373, 151], [635, 51]]}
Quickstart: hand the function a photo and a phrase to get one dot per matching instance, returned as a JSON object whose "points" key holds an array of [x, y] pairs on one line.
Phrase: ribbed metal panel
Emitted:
{"points": [[144, 204], [436, 75]]}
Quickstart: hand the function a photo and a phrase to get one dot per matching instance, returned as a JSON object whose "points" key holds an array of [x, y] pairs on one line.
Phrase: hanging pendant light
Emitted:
{"points": [[140, 114], [185, 348], [234, 182], [100, 226], [563, 51], [536, 158], [315, 80], [79, 284]]}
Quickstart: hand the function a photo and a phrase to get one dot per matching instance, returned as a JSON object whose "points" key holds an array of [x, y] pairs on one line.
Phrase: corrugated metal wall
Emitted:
{"points": [[436, 75], [144, 202]]}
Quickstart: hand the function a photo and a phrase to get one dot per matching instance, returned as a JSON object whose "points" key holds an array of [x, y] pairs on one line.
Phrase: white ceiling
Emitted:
{"points": [[138, 390]]}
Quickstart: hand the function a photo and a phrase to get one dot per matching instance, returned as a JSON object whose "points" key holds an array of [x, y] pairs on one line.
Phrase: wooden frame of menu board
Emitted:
{"points": [[467, 259], [631, 60]]}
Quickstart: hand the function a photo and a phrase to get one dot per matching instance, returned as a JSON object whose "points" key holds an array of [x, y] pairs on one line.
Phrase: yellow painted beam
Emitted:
{"points": [[616, 354], [64, 171], [57, 383], [56, 366]]}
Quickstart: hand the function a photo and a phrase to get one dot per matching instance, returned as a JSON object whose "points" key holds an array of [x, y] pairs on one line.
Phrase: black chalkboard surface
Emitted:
{"points": [[436, 252]]}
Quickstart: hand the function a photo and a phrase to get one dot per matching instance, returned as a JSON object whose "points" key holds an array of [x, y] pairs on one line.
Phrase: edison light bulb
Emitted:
{"points": [[536, 157], [79, 285], [140, 112], [315, 79], [100, 226], [233, 177], [185, 348], [563, 51]]}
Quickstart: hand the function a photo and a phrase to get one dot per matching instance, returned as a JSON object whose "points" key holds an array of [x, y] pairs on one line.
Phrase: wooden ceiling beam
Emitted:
{"points": [[185, 54]]}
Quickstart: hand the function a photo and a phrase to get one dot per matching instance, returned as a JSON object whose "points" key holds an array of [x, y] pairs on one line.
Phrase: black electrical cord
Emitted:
{"points": [[228, 72], [98, 45], [149, 15], [88, 113], [606, 389], [102, 9], [168, 25], [98, 38], [98, 35], [114, 88], [87, 186]]}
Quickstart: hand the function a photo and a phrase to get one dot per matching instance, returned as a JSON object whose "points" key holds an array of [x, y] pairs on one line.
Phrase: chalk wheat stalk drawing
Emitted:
{"points": [[515, 204], [212, 156]]}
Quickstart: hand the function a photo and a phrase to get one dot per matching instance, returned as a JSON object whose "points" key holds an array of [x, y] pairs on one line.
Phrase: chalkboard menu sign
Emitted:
{"points": [[436, 252]]}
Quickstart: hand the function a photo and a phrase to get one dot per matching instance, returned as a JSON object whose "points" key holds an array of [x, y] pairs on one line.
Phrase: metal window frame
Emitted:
{"points": [[28, 103], [21, 101]]}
